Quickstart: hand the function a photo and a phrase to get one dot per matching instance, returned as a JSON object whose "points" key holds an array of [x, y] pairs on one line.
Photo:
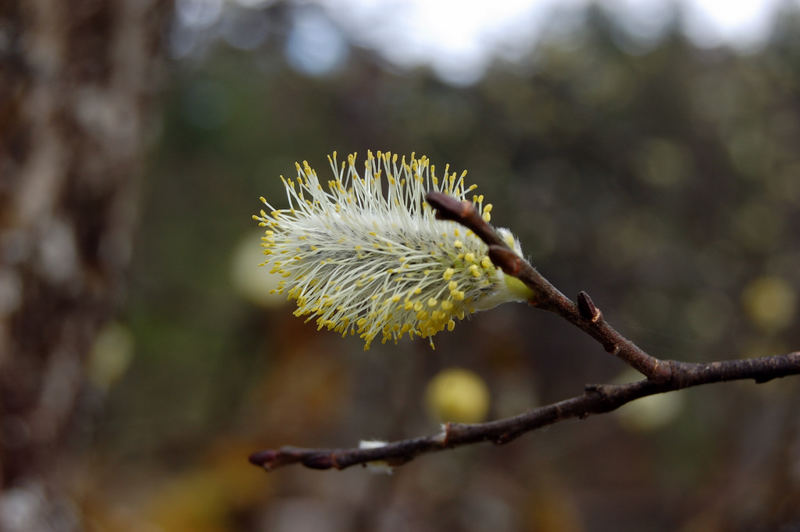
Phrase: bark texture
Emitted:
{"points": [[76, 81]]}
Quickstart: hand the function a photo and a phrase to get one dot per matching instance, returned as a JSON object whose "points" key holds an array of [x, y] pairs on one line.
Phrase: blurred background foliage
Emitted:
{"points": [[661, 177]]}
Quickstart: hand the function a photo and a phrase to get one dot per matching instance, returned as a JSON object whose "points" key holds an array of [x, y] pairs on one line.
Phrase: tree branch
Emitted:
{"points": [[596, 399], [661, 375], [584, 315]]}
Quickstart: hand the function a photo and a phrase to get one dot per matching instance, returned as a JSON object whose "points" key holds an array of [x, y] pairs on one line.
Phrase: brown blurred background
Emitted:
{"points": [[642, 157]]}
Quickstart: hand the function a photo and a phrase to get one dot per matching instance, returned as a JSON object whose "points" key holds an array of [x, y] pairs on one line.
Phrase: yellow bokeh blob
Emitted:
{"points": [[770, 302], [459, 395], [110, 355], [253, 283], [648, 413]]}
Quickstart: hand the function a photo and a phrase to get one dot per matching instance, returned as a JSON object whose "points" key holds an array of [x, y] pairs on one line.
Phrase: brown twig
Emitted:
{"points": [[546, 296], [661, 375], [596, 399]]}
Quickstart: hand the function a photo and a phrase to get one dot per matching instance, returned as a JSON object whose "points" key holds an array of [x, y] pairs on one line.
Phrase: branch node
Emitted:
{"points": [[444, 436], [504, 438], [662, 371], [441, 437]]}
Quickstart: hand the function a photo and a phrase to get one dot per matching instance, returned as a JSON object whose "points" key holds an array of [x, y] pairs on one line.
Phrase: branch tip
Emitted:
{"points": [[505, 259], [464, 213], [259, 458], [449, 208]]}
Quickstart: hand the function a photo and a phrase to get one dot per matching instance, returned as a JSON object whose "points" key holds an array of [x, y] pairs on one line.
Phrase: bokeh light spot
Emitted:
{"points": [[770, 302], [459, 395], [315, 46]]}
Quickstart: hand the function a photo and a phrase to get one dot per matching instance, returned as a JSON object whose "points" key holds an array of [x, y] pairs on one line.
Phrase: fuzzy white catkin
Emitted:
{"points": [[364, 254]]}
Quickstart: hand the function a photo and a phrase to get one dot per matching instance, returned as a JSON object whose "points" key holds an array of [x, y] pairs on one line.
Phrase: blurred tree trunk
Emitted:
{"points": [[76, 79]]}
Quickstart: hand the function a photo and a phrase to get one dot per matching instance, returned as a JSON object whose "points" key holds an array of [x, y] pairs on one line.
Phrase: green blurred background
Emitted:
{"points": [[660, 176]]}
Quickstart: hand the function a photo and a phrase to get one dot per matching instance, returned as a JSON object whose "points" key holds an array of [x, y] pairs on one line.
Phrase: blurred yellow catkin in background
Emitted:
{"points": [[459, 395], [770, 302]]}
